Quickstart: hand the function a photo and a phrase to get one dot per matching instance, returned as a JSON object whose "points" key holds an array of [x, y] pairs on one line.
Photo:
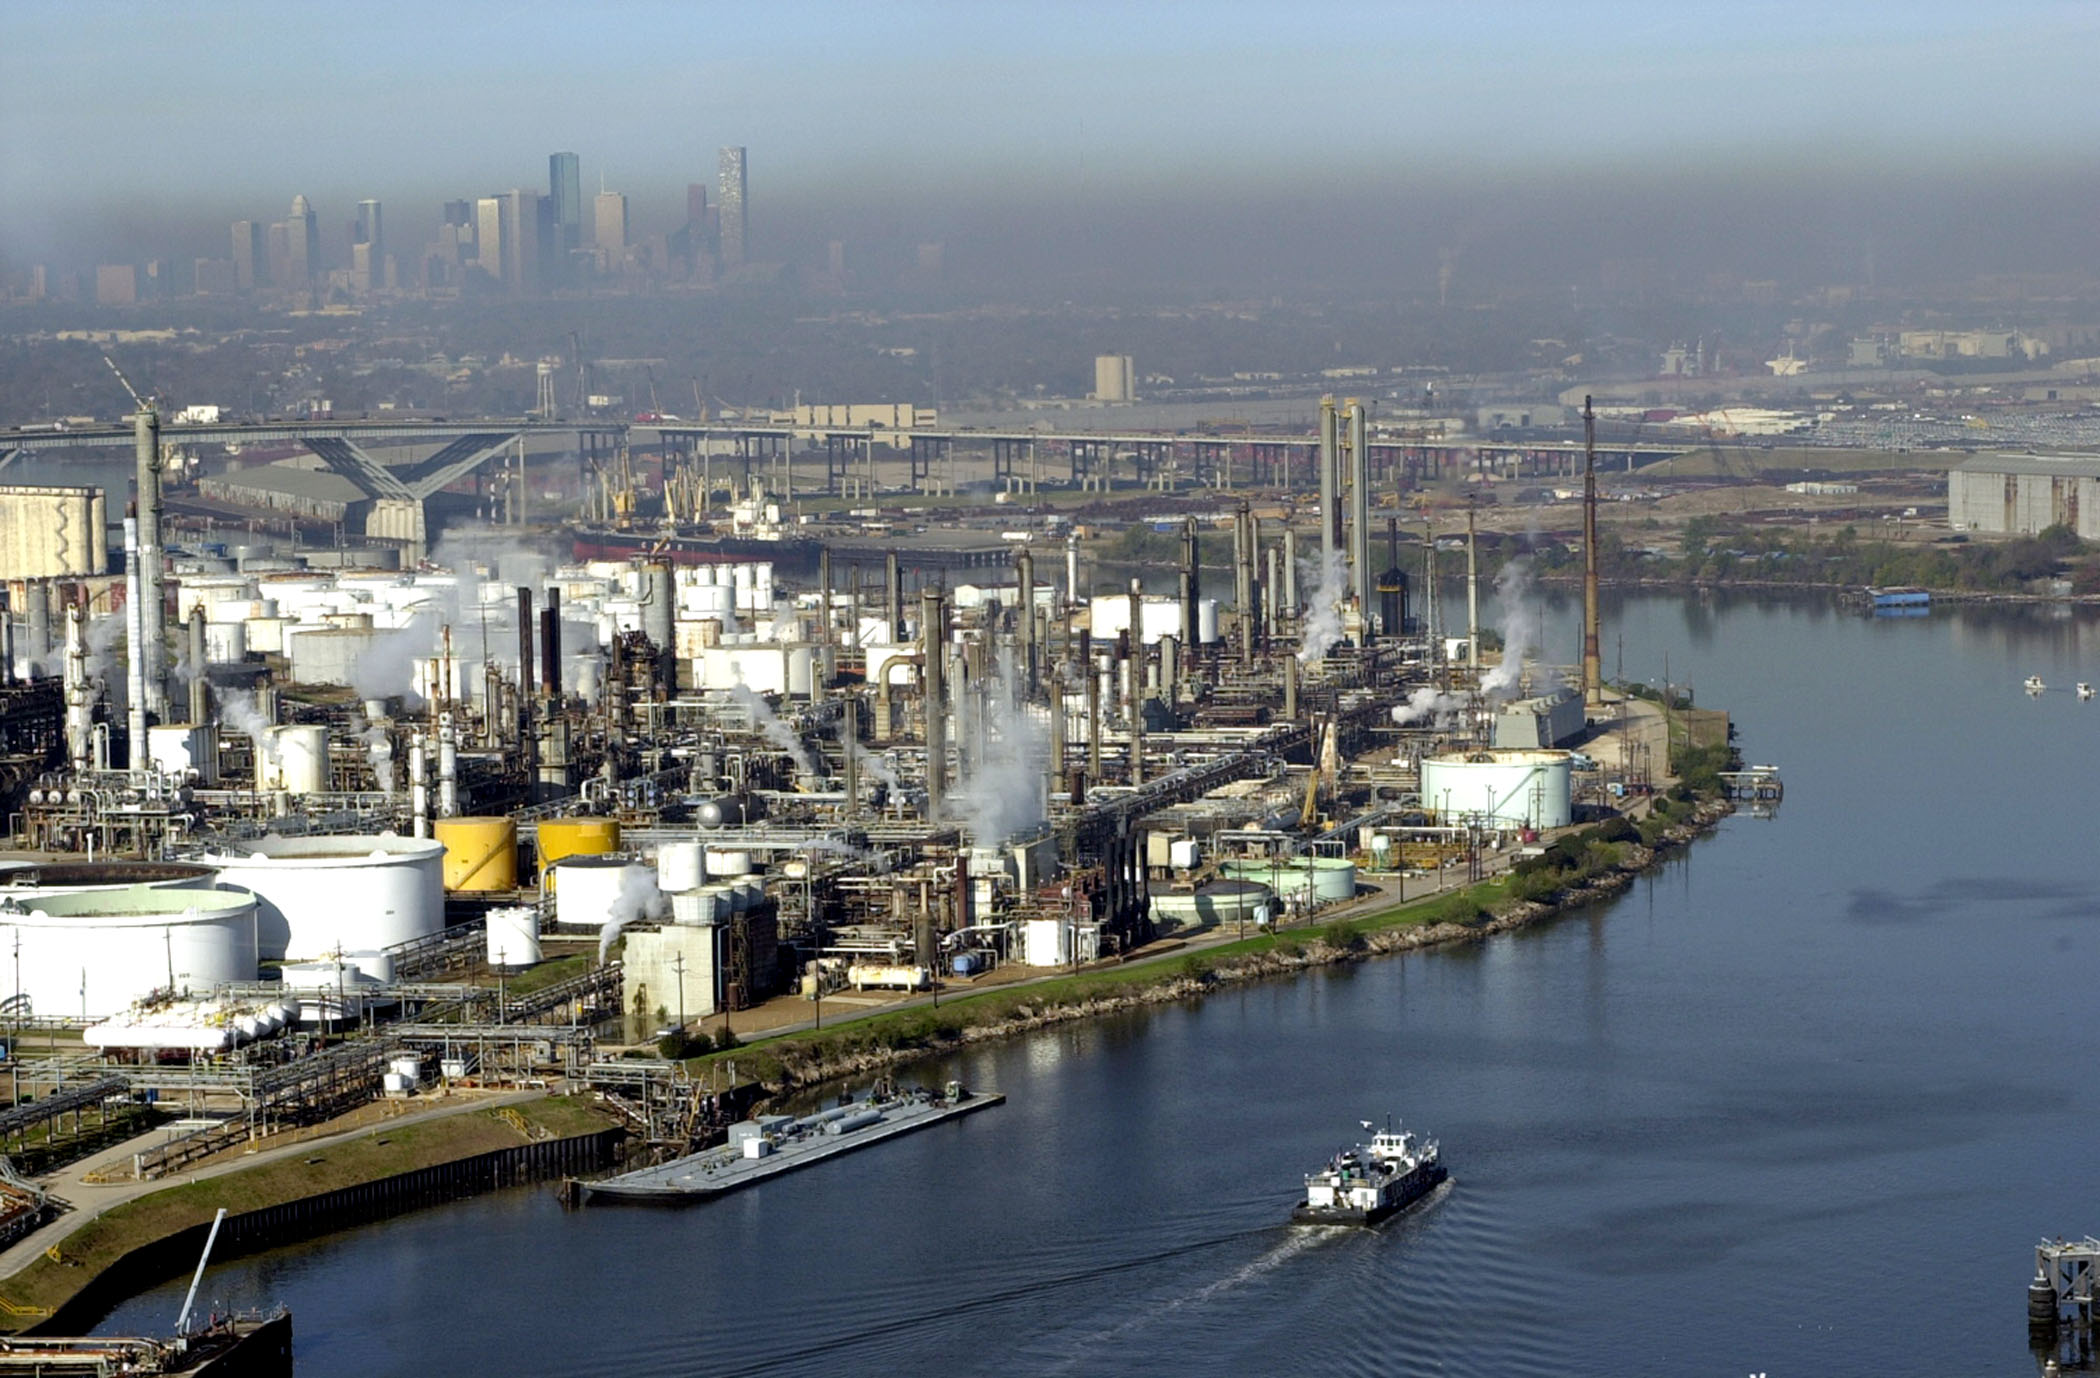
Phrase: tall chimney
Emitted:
{"points": [[151, 649], [80, 700], [1592, 664], [1024, 578], [39, 624], [1243, 580], [550, 647], [1330, 485], [7, 638], [893, 592], [1191, 581], [134, 661], [200, 681], [1359, 510], [1473, 601], [933, 632]]}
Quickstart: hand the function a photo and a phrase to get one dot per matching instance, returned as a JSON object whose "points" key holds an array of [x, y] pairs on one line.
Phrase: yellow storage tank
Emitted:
{"points": [[566, 837], [481, 854]]}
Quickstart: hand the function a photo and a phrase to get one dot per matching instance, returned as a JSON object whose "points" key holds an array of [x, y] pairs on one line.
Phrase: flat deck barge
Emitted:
{"points": [[771, 1145]]}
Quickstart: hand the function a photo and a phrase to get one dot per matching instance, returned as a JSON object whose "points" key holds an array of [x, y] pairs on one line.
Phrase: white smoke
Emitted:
{"points": [[638, 898], [104, 635], [237, 711], [1323, 612], [1522, 615], [768, 725], [1429, 703], [1002, 792], [874, 766], [388, 669], [379, 750]]}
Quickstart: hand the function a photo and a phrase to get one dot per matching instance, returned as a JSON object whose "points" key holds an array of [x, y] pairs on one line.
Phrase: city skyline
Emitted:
{"points": [[1874, 87]]}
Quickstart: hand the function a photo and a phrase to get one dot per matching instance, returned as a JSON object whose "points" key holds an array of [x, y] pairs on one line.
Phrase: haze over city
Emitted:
{"points": [[1197, 146]]}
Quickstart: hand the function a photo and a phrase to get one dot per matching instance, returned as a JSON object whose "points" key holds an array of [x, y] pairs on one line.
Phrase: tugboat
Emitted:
{"points": [[1365, 1184]]}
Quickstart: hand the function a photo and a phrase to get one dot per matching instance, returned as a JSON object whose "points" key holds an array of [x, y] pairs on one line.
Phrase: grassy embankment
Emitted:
{"points": [[384, 1151], [1569, 867]]}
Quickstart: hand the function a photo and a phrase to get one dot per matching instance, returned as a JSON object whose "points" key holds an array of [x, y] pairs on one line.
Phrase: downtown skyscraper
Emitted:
{"points": [[565, 212], [729, 180]]}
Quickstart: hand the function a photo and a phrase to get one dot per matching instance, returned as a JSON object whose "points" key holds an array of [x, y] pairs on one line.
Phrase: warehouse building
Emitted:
{"points": [[2022, 494]]}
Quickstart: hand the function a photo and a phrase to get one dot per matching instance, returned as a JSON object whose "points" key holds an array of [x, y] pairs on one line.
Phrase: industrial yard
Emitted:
{"points": [[308, 853]]}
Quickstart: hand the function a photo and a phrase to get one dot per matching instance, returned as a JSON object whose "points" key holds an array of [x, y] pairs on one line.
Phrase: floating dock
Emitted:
{"points": [[771, 1145]]}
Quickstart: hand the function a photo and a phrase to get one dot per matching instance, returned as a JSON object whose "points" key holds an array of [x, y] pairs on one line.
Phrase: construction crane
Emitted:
{"points": [[143, 404]]}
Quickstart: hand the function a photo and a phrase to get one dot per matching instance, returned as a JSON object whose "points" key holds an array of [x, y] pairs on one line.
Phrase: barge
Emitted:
{"points": [[771, 1145]]}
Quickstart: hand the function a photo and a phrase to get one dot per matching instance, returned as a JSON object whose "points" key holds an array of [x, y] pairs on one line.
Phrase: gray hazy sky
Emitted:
{"points": [[118, 114]]}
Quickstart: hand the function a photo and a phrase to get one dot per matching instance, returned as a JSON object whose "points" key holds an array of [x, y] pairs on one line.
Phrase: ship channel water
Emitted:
{"points": [[1799, 1103]]}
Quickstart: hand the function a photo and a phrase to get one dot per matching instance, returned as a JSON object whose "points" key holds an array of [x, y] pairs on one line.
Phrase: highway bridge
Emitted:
{"points": [[857, 461]]}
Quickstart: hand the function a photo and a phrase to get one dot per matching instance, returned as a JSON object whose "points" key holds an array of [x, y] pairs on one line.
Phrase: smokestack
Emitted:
{"points": [[849, 751], [39, 624], [823, 594], [7, 638], [1243, 581], [80, 706], [1024, 576], [528, 742], [1592, 663], [150, 650], [1330, 485], [1290, 572], [1472, 599], [1191, 581], [200, 682], [1290, 688], [1093, 721], [1270, 584], [550, 647], [1072, 568], [893, 608], [1359, 511], [933, 631], [134, 662]]}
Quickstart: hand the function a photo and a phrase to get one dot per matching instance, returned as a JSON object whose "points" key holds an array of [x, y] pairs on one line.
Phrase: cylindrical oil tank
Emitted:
{"points": [[724, 863], [697, 907], [481, 854], [588, 890], [95, 952], [514, 936], [23, 880], [1326, 878], [328, 655], [225, 642], [298, 761], [378, 966], [355, 893], [1499, 789], [679, 867], [561, 838]]}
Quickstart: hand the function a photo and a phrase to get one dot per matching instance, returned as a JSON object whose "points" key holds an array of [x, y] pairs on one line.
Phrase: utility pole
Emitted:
{"points": [[1592, 668]]}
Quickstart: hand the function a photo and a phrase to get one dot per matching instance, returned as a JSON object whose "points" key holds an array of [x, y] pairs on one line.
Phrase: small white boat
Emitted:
{"points": [[2034, 684], [2085, 691]]}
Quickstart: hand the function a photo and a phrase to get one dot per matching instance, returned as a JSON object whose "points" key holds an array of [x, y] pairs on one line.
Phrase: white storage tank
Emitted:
{"points": [[679, 867], [727, 863], [225, 642], [514, 936], [1503, 789], [696, 907], [589, 890], [328, 655], [93, 953], [324, 895], [297, 761]]}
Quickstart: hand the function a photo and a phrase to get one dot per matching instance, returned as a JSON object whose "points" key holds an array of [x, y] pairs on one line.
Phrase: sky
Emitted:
{"points": [[116, 117]]}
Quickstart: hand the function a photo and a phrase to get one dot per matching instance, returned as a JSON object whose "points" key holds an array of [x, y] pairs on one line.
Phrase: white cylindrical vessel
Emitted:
{"points": [[679, 867], [1499, 789], [514, 937], [93, 953], [590, 890], [298, 761], [225, 642], [323, 895], [727, 863], [696, 907]]}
